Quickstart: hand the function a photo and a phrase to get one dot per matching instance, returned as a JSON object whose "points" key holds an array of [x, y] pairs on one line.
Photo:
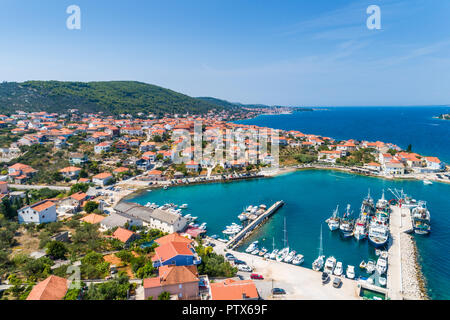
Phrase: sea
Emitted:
{"points": [[310, 196]]}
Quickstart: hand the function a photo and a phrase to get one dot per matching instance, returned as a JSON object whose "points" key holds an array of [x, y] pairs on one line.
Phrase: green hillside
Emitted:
{"points": [[111, 97]]}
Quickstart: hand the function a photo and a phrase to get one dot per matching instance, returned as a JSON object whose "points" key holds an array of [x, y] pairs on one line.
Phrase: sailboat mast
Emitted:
{"points": [[285, 233], [320, 248]]}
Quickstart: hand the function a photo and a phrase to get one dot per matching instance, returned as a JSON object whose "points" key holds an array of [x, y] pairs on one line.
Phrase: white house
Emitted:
{"points": [[434, 164], [102, 146], [102, 178], [41, 212]]}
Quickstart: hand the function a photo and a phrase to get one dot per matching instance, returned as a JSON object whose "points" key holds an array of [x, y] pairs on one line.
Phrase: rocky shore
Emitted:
{"points": [[414, 287]]}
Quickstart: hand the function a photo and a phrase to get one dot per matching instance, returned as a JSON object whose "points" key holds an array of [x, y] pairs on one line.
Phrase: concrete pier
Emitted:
{"points": [[245, 232], [402, 276]]}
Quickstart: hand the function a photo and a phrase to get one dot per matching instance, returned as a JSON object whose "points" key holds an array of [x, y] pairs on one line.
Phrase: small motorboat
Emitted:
{"points": [[298, 259], [377, 252], [362, 265], [255, 252], [339, 269], [382, 281], [384, 255], [290, 256], [350, 272], [427, 182], [273, 255], [262, 252], [370, 267]]}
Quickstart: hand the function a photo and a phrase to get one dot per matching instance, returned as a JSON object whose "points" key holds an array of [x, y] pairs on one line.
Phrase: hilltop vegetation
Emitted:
{"points": [[111, 97]]}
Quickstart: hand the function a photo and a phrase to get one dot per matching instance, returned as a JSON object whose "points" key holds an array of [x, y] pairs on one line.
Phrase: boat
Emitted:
{"points": [[427, 182], [421, 219], [243, 216], [382, 281], [255, 252], [330, 264], [384, 254], [252, 247], [165, 187], [378, 231], [273, 254], [403, 199], [381, 266], [262, 252], [222, 240], [363, 264], [346, 225], [290, 256], [368, 206], [350, 272], [360, 229], [317, 265], [382, 203], [184, 206], [282, 254], [370, 266], [338, 270], [214, 236], [298, 259], [377, 252], [334, 220]]}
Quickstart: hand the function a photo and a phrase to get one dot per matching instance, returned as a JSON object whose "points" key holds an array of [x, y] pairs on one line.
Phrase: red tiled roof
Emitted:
{"points": [[122, 234], [233, 290], [52, 288]]}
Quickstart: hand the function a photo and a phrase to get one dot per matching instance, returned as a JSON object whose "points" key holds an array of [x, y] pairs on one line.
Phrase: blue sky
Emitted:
{"points": [[290, 52]]}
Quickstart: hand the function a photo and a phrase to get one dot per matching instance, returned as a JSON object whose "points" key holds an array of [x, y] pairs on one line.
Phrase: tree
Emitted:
{"points": [[409, 148], [164, 296], [90, 206], [56, 250], [77, 187]]}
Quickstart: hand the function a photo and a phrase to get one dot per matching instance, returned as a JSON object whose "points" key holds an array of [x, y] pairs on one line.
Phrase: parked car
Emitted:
{"points": [[244, 268], [325, 277], [278, 291], [230, 257], [256, 276], [337, 282], [237, 261]]}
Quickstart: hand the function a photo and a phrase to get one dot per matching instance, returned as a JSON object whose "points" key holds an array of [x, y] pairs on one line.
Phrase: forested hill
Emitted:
{"points": [[111, 97]]}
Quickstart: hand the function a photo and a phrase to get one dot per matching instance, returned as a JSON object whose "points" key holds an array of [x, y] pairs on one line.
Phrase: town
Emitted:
{"points": [[64, 178]]}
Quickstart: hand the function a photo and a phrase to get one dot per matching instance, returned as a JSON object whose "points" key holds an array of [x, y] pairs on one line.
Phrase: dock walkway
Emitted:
{"points": [[400, 259], [241, 235]]}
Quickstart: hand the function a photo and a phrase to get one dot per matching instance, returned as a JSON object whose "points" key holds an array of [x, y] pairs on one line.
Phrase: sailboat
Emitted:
{"points": [[320, 261], [333, 221], [283, 253]]}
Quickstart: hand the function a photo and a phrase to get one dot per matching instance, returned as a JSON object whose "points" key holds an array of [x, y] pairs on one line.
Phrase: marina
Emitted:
{"points": [[304, 218]]}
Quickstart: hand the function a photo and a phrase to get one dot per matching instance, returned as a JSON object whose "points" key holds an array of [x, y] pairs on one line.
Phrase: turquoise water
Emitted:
{"points": [[310, 197], [398, 125]]}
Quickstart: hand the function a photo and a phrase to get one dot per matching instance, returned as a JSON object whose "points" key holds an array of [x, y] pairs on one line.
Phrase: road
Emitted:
{"points": [[30, 187]]}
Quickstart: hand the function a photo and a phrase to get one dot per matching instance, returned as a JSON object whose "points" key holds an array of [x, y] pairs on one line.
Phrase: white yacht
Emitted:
{"points": [[184, 206], [273, 254], [338, 270], [255, 252], [350, 272], [320, 261], [298, 259], [290, 256], [381, 266], [282, 254], [330, 264], [252, 247], [427, 182]]}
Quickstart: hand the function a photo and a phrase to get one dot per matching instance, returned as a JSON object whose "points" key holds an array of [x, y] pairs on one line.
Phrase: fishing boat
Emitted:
{"points": [[368, 206], [378, 230], [298, 259], [382, 203], [370, 266], [317, 265], [290, 256], [350, 272], [347, 224], [252, 247], [334, 220], [338, 270], [421, 218], [360, 229], [381, 265], [330, 264]]}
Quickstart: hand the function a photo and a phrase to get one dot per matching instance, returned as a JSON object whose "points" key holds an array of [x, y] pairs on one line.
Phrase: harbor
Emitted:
{"points": [[304, 215]]}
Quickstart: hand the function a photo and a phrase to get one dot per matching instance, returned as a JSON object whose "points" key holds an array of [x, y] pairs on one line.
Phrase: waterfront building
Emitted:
{"points": [[175, 253]]}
